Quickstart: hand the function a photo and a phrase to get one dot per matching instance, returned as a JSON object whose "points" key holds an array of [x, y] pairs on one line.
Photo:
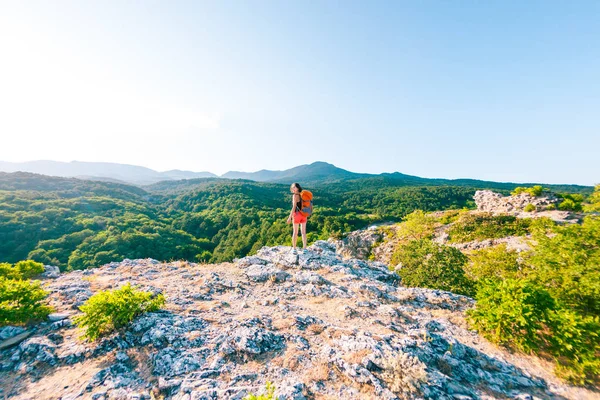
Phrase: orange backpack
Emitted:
{"points": [[306, 198]]}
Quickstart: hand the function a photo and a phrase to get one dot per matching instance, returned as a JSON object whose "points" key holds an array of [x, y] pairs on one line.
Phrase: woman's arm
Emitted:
{"points": [[294, 202]]}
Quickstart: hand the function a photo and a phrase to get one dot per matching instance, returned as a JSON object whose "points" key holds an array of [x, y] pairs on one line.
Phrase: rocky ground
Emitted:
{"points": [[317, 325]]}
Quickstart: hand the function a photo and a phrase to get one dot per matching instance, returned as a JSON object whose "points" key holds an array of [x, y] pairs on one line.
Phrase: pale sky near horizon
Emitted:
{"points": [[496, 90]]}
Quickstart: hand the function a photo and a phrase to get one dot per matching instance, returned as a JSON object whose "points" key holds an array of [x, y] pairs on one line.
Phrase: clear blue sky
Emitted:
{"points": [[499, 90]]}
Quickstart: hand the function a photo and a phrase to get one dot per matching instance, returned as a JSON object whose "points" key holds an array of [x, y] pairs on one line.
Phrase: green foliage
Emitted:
{"points": [[574, 340], [21, 270], [493, 262], [423, 263], [110, 310], [567, 263], [529, 208], [523, 315], [480, 226], [415, 226], [594, 201], [77, 224], [534, 191], [21, 301], [451, 216], [269, 393], [569, 205], [511, 312]]}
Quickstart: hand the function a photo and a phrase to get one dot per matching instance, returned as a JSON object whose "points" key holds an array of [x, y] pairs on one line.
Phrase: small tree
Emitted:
{"points": [[416, 225], [423, 263], [21, 301], [109, 310], [493, 262], [511, 312], [21, 270], [594, 200]]}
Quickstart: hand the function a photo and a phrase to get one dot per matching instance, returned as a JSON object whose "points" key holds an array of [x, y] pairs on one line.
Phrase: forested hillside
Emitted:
{"points": [[77, 224]]}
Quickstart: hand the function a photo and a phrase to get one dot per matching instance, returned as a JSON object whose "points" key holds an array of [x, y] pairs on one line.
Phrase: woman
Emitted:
{"points": [[297, 216]]}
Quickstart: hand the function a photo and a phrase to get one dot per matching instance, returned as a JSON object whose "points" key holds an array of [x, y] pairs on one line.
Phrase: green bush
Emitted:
{"points": [[574, 340], [269, 394], [570, 205], [451, 216], [21, 270], [511, 312], [533, 191], [110, 310], [481, 226], [21, 301], [550, 207], [493, 262], [416, 225], [566, 261], [529, 208], [424, 263], [522, 315], [594, 201]]}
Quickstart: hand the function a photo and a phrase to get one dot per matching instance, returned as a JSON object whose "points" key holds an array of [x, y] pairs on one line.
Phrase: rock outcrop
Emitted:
{"points": [[489, 201], [358, 244], [317, 325]]}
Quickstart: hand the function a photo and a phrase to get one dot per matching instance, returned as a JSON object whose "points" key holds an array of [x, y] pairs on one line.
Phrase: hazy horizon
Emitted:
{"points": [[292, 166], [498, 91]]}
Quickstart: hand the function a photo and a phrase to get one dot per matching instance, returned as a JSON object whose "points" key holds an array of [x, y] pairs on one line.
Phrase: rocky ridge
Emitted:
{"points": [[317, 325]]}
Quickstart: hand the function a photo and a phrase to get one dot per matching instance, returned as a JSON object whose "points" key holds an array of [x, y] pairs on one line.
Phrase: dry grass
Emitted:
{"points": [[291, 359], [318, 373], [403, 373], [356, 357], [456, 318], [142, 358], [315, 329], [318, 300], [283, 323]]}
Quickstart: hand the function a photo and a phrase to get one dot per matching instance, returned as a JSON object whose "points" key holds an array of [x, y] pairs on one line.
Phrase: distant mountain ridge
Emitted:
{"points": [[317, 171], [104, 171], [314, 174]]}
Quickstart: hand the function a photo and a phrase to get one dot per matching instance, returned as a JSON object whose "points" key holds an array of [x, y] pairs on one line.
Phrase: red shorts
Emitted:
{"points": [[299, 218]]}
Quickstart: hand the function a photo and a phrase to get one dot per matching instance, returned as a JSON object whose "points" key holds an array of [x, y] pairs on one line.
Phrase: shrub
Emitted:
{"points": [[534, 191], [523, 315], [575, 342], [269, 394], [550, 207], [570, 205], [594, 200], [416, 225], [21, 270], [403, 373], [109, 310], [480, 226], [511, 312], [428, 264], [529, 208], [7, 271], [567, 263], [21, 301], [493, 262]]}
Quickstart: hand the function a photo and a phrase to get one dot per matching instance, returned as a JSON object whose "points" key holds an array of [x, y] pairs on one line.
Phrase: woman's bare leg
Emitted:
{"points": [[295, 236], [303, 235]]}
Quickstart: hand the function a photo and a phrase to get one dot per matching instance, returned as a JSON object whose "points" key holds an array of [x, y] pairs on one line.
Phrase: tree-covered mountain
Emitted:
{"points": [[316, 174], [78, 224]]}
